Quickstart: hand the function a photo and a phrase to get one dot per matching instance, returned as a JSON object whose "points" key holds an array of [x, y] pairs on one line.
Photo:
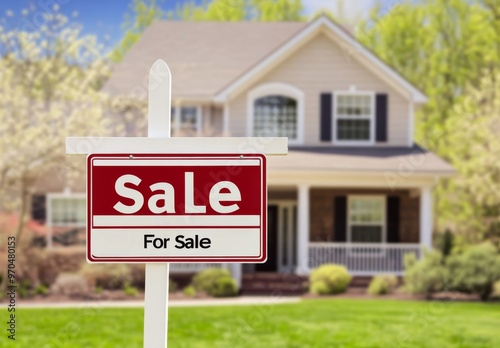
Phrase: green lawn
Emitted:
{"points": [[311, 323]]}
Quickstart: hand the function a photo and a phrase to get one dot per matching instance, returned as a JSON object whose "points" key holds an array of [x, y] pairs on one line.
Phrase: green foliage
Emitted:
{"points": [[475, 270], [225, 287], [130, 290], [445, 242], [98, 290], [382, 284], [41, 290], [189, 291], [172, 286], [215, 282], [329, 279], [425, 276], [448, 48], [141, 14], [278, 10], [475, 192]]}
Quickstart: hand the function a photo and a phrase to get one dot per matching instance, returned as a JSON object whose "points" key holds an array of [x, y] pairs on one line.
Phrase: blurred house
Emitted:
{"points": [[354, 189]]}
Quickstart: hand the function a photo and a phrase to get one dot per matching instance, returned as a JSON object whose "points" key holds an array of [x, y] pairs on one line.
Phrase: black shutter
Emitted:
{"points": [[340, 218], [38, 208], [392, 216], [326, 116], [381, 117]]}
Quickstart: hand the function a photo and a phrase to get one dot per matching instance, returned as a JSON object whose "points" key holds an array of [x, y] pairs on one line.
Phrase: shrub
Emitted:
{"points": [[475, 270], [382, 284], [107, 276], [130, 290], [189, 291], [215, 282], [425, 276], [225, 287], [329, 279], [41, 290], [172, 286]]}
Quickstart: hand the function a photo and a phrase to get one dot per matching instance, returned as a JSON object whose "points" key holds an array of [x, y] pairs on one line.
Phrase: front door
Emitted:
{"points": [[271, 265], [281, 238]]}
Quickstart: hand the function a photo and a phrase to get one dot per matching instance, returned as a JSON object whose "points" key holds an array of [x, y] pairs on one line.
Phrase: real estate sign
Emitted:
{"points": [[176, 208]]}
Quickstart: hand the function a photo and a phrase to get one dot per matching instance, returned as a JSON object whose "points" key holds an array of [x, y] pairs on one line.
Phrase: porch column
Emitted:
{"points": [[303, 230], [426, 217], [235, 269], [225, 120]]}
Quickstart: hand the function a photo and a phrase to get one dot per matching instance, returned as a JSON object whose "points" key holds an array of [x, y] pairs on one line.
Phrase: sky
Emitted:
{"points": [[104, 18]]}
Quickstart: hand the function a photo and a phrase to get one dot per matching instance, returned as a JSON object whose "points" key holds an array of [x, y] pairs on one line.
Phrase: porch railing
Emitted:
{"points": [[363, 259], [194, 267]]}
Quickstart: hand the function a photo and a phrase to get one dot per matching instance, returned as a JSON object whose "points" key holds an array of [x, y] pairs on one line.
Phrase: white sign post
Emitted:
{"points": [[140, 229]]}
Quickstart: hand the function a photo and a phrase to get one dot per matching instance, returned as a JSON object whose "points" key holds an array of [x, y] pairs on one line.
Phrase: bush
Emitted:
{"points": [[425, 276], [189, 291], [41, 290], [225, 287], [475, 270], [107, 276], [172, 286], [215, 282], [130, 290], [329, 279], [382, 284]]}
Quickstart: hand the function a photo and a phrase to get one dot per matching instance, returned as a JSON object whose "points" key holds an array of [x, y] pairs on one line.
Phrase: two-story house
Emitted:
{"points": [[354, 189]]}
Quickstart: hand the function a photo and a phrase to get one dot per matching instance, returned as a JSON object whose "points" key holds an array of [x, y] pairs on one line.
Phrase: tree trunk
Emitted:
{"points": [[23, 212]]}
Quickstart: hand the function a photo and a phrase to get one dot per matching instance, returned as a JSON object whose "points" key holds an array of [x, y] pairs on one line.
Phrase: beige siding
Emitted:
{"points": [[321, 66]]}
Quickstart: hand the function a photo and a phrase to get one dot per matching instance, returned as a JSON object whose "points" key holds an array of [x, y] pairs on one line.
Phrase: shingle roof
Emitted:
{"points": [[203, 57], [362, 159]]}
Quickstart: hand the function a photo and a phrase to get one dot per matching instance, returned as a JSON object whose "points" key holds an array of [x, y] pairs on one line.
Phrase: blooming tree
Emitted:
{"points": [[49, 89]]}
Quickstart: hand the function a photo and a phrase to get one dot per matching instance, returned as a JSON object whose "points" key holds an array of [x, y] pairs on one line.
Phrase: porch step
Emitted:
{"points": [[273, 284]]}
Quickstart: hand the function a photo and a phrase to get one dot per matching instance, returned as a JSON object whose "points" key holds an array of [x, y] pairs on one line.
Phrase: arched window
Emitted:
{"points": [[275, 110], [275, 116]]}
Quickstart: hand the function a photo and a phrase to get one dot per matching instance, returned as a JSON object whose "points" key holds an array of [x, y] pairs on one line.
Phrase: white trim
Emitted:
{"points": [[426, 217], [179, 145], [199, 120], [225, 120], [283, 204], [411, 125], [375, 62], [151, 162], [382, 198], [277, 88], [303, 207], [178, 116], [175, 220], [337, 142]]}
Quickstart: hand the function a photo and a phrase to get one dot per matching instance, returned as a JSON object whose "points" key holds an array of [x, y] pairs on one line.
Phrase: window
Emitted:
{"points": [[366, 219], [186, 119], [276, 109], [354, 117], [275, 115], [66, 219], [68, 211]]}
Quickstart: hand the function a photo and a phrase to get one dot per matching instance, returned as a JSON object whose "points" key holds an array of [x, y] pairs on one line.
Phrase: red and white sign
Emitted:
{"points": [[176, 208]]}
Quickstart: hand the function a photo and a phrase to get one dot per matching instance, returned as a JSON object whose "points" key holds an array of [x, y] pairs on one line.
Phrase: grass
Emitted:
{"points": [[312, 323]]}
